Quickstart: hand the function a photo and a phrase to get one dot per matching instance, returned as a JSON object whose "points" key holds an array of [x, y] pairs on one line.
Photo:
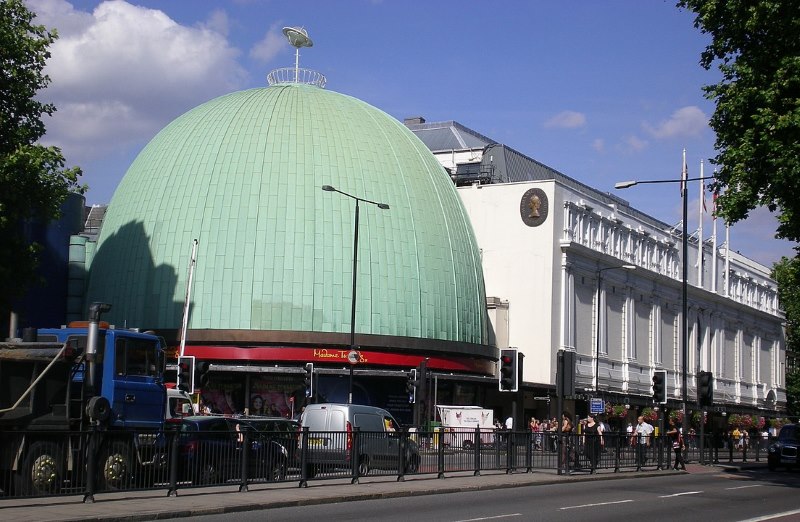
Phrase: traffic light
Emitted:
{"points": [[308, 380], [660, 387], [202, 373], [186, 373], [412, 383], [705, 388], [508, 370]]}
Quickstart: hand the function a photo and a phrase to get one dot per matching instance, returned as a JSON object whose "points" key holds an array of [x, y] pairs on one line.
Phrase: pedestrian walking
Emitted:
{"points": [[593, 433], [566, 438], [677, 445], [641, 436]]}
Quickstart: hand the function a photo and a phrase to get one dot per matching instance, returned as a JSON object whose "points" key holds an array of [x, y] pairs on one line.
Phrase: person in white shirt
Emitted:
{"points": [[641, 434], [510, 423]]}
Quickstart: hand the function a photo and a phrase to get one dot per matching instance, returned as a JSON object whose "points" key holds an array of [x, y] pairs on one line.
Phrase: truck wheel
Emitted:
{"points": [[311, 471], [42, 470], [116, 467]]}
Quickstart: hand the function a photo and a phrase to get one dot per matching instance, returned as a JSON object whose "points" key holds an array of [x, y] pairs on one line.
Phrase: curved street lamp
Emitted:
{"points": [[382, 206]]}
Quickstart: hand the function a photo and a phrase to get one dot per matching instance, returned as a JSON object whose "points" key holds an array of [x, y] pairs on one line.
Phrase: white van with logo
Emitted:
{"points": [[331, 439]]}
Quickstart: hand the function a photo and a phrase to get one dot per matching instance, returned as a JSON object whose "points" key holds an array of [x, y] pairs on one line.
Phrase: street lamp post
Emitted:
{"points": [[599, 273], [383, 206], [684, 327]]}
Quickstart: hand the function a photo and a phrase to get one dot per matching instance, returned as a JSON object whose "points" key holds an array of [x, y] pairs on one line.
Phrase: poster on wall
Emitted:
{"points": [[271, 395]]}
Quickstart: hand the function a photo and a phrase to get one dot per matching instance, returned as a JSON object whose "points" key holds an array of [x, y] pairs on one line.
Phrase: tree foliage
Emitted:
{"points": [[33, 178], [787, 273], [756, 45]]}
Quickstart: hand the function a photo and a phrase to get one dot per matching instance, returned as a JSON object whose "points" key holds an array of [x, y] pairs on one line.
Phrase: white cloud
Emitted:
{"points": [[566, 120], [599, 145], [269, 46], [218, 21], [633, 144], [122, 72], [687, 121]]}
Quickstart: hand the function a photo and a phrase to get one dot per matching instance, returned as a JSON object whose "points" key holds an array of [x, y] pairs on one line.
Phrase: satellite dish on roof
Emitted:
{"points": [[298, 37]]}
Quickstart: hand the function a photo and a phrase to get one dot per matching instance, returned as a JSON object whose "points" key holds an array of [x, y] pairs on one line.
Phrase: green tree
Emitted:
{"points": [[787, 273], [756, 45], [33, 178]]}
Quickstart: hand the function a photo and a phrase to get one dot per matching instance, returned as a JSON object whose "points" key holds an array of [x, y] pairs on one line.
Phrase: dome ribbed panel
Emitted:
{"points": [[243, 174]]}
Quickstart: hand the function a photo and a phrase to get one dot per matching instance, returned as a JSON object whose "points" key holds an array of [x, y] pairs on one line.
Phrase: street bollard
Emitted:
{"points": [[440, 456], [91, 465], [245, 448], [355, 454], [304, 458], [402, 441]]}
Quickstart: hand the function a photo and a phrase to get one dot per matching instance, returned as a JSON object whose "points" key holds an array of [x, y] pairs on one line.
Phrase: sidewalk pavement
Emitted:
{"points": [[154, 504]]}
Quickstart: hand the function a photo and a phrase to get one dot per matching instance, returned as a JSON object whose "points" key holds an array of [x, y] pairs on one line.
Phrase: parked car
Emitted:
{"points": [[210, 451], [331, 444], [284, 431], [783, 452]]}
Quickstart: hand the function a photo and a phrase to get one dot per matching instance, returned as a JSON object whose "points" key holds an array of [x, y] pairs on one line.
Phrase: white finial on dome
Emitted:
{"points": [[298, 37]]}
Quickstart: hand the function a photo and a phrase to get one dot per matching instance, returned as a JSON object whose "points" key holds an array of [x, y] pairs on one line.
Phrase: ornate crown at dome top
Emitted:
{"points": [[293, 75]]}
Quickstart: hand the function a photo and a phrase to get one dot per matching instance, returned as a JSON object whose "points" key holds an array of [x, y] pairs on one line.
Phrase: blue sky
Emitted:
{"points": [[601, 91]]}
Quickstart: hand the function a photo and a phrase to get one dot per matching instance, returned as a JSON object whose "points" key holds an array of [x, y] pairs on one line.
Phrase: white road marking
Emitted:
{"points": [[491, 518], [749, 486], [598, 504], [762, 518], [681, 494]]}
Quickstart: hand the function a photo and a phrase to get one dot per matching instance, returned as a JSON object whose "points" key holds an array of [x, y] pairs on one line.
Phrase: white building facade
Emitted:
{"points": [[568, 267]]}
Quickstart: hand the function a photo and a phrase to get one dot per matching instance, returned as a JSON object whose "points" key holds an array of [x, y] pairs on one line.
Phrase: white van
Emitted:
{"points": [[331, 439], [179, 404]]}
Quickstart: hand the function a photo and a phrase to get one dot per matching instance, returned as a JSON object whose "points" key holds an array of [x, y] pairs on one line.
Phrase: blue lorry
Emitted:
{"points": [[86, 387]]}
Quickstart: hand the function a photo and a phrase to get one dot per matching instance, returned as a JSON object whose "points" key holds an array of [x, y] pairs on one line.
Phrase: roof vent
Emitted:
{"points": [[414, 120]]}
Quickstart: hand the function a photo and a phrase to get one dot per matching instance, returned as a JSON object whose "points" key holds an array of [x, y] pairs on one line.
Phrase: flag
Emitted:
{"points": [[714, 203]]}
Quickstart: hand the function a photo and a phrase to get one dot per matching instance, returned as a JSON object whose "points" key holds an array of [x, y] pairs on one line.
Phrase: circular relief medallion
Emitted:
{"points": [[533, 207]]}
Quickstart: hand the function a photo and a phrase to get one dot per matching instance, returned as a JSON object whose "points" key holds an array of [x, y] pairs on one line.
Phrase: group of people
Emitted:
{"points": [[592, 430]]}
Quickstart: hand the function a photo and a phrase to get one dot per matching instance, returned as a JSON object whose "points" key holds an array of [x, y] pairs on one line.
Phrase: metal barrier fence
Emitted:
{"points": [[74, 463]]}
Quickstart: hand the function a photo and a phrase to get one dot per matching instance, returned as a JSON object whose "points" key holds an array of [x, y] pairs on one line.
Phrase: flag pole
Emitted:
{"points": [[714, 240], [727, 259], [700, 247]]}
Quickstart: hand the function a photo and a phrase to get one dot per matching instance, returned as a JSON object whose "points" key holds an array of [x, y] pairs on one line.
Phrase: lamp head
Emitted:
{"points": [[625, 184], [383, 206], [328, 188]]}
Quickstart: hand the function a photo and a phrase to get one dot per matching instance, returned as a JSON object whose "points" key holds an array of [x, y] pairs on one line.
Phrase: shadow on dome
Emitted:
{"points": [[124, 262]]}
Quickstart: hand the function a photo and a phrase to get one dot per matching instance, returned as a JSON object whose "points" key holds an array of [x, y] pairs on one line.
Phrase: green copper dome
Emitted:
{"points": [[243, 174]]}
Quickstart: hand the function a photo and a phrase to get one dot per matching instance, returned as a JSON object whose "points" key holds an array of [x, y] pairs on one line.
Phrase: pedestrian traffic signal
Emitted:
{"points": [[660, 387], [308, 380], [202, 373], [705, 388], [186, 373], [412, 383], [507, 374]]}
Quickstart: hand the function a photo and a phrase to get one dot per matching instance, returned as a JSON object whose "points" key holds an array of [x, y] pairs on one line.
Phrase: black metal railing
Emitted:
{"points": [[90, 462]]}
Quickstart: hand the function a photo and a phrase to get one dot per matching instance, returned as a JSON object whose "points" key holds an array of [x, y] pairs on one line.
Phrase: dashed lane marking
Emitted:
{"points": [[595, 505], [681, 494], [491, 518], [773, 516]]}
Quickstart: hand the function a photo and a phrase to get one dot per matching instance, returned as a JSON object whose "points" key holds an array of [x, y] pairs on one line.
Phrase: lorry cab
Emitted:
{"points": [[129, 372]]}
